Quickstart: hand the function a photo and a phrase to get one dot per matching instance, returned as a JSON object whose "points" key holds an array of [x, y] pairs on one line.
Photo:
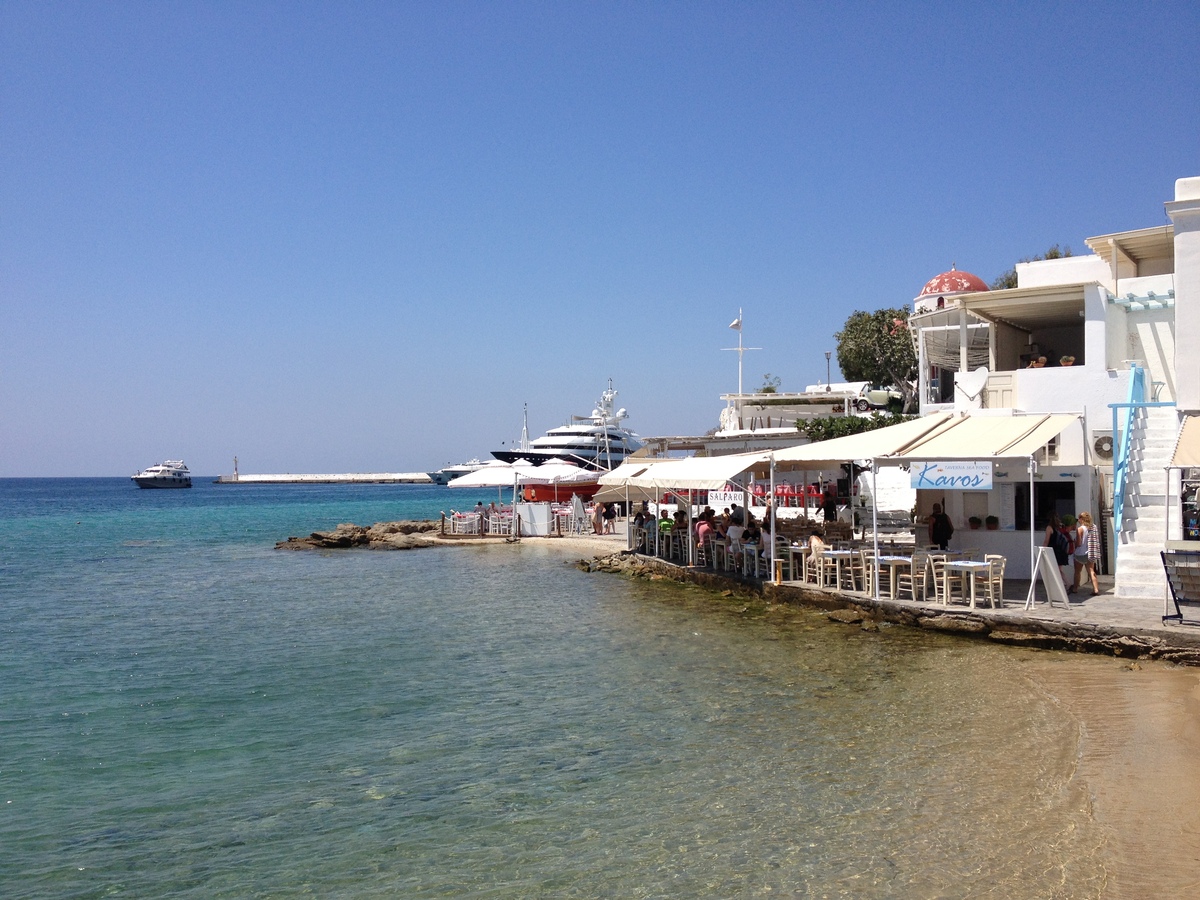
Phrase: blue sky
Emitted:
{"points": [[359, 236]]}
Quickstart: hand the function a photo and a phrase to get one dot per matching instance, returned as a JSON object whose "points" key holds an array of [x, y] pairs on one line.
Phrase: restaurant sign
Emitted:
{"points": [[954, 476]]}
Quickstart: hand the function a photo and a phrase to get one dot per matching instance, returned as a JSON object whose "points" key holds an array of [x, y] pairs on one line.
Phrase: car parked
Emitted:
{"points": [[876, 398]]}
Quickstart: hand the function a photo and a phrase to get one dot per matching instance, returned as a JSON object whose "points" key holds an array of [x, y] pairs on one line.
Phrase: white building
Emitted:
{"points": [[1107, 323]]}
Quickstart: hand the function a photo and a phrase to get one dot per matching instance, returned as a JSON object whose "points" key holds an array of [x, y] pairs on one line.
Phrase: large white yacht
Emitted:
{"points": [[171, 473], [446, 474], [597, 441]]}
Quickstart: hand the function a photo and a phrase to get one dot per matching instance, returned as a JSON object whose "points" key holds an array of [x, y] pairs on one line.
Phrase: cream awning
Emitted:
{"points": [[695, 472], [875, 444], [1187, 448], [940, 436], [988, 437]]}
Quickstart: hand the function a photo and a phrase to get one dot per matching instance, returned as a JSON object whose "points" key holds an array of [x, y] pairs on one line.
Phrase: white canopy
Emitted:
{"points": [[695, 472], [559, 472], [494, 474]]}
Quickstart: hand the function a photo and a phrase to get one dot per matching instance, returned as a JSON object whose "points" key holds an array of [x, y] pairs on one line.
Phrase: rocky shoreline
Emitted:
{"points": [[999, 626], [405, 535]]}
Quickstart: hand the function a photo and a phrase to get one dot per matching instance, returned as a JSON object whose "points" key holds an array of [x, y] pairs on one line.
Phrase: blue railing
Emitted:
{"points": [[1123, 437]]}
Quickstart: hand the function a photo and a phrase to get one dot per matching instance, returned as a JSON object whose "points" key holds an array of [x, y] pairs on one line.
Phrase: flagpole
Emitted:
{"points": [[736, 325]]}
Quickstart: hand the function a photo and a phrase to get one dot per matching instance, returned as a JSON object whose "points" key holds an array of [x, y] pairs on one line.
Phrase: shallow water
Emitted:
{"points": [[188, 712]]}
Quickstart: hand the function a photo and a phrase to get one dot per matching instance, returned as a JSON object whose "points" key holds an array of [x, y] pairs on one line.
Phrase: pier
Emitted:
{"points": [[350, 478]]}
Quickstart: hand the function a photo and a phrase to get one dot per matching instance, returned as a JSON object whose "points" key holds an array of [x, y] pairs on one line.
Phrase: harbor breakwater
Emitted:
{"points": [[350, 478]]}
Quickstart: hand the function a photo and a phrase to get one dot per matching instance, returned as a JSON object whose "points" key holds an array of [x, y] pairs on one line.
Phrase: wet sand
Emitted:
{"points": [[1139, 744], [1138, 747]]}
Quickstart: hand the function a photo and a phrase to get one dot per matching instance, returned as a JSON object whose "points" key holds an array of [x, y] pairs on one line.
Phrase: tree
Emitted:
{"points": [[1009, 278], [877, 347]]}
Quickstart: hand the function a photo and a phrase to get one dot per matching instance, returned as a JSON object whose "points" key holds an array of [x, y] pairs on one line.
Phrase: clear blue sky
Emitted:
{"points": [[359, 236]]}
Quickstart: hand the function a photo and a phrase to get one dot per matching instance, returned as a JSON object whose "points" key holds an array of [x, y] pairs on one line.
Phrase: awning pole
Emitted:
{"points": [[875, 523], [774, 570], [1032, 541]]}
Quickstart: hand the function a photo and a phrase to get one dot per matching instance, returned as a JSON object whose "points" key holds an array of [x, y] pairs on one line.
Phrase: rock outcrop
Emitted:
{"points": [[380, 536]]}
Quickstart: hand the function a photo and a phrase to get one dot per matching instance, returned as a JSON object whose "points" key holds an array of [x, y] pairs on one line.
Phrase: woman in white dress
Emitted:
{"points": [[1087, 550]]}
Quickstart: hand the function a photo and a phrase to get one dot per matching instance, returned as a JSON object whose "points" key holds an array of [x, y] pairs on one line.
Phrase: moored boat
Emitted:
{"points": [[171, 473], [597, 441], [448, 473]]}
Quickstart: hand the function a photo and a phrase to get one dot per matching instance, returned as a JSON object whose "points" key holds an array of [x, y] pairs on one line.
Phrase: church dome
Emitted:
{"points": [[953, 282]]}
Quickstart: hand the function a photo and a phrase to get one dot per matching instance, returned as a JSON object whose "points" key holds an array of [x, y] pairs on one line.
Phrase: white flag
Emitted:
{"points": [[736, 324]]}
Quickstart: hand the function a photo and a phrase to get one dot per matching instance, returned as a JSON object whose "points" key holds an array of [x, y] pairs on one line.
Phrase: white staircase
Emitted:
{"points": [[1139, 567]]}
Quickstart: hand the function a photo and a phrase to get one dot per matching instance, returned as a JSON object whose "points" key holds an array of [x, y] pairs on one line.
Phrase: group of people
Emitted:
{"points": [[1075, 540], [604, 518], [735, 523]]}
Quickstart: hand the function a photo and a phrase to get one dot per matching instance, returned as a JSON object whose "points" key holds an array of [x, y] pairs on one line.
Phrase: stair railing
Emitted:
{"points": [[1123, 439]]}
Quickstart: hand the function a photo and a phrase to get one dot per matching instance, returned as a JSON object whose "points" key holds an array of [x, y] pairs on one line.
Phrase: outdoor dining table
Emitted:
{"points": [[751, 559], [967, 567], [796, 553], [893, 563], [838, 556]]}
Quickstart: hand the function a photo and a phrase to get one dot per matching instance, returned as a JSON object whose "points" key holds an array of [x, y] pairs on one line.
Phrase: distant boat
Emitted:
{"points": [[597, 441], [169, 474], [449, 473]]}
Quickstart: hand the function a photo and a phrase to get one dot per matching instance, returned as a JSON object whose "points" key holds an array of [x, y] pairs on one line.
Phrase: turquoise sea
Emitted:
{"points": [[187, 712]]}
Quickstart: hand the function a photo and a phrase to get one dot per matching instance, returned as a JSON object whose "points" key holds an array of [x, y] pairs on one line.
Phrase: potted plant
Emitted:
{"points": [[992, 522], [974, 522]]}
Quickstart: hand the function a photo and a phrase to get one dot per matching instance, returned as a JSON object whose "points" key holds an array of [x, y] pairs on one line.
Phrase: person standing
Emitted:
{"points": [[598, 518], [829, 507], [1058, 541], [1087, 550], [941, 529], [610, 518]]}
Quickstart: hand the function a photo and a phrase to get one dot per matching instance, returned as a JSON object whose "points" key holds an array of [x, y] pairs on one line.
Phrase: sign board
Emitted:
{"points": [[719, 499], [1046, 566], [951, 476]]}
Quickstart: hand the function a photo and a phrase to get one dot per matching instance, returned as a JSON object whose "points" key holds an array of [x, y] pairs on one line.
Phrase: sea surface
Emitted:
{"points": [[187, 712]]}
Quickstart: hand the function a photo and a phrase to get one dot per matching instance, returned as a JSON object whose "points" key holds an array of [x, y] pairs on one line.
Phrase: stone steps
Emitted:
{"points": [[1139, 567]]}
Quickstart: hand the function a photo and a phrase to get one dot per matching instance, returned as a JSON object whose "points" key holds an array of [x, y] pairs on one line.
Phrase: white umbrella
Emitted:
{"points": [[560, 473], [494, 474]]}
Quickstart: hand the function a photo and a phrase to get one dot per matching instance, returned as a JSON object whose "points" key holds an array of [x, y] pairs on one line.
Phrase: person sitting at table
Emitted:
{"points": [[816, 544], [665, 523], [753, 533], [704, 529], [680, 523]]}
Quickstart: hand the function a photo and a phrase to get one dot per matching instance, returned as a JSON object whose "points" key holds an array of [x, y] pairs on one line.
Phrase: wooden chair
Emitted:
{"points": [[866, 570], [994, 586], [915, 579], [945, 582]]}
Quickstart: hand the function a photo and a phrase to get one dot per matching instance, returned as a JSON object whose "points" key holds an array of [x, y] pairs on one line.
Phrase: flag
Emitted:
{"points": [[736, 324]]}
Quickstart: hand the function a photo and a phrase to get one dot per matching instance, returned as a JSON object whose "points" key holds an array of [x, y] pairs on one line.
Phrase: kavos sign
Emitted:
{"points": [[960, 476]]}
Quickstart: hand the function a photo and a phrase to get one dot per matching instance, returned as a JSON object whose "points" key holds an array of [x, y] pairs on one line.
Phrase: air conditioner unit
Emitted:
{"points": [[1103, 448]]}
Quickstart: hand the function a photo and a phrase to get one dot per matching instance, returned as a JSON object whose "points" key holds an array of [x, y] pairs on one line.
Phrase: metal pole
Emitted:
{"points": [[773, 518], [875, 526]]}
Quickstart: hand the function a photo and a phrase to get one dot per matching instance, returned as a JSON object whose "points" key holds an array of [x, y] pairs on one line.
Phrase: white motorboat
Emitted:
{"points": [[448, 473], [169, 474], [597, 441]]}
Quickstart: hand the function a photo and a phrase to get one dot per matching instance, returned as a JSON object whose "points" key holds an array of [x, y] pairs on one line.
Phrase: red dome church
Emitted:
{"points": [[940, 288]]}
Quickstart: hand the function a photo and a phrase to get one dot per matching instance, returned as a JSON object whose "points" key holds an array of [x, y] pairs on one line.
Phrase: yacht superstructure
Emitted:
{"points": [[597, 441]]}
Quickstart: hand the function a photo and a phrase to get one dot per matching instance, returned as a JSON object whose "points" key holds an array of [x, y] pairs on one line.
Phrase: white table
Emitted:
{"points": [[838, 556], [967, 567], [893, 563]]}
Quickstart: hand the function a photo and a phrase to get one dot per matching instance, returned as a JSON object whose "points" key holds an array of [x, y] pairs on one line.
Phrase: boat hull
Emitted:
{"points": [[161, 482]]}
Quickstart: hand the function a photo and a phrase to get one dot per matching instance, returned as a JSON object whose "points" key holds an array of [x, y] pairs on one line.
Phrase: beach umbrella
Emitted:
{"points": [[560, 472], [494, 474]]}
